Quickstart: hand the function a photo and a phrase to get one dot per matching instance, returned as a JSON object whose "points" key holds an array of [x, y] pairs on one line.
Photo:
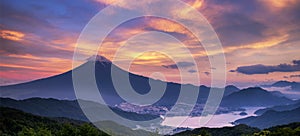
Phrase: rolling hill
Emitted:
{"points": [[22, 123], [271, 118], [254, 97]]}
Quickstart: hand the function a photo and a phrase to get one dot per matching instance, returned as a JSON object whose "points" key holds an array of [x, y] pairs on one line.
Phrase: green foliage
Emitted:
{"points": [[204, 133], [31, 132], [262, 133], [18, 123], [292, 129], [88, 130]]}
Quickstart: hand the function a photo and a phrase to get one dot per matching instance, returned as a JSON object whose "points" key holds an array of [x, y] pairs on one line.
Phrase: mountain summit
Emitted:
{"points": [[99, 58], [61, 87]]}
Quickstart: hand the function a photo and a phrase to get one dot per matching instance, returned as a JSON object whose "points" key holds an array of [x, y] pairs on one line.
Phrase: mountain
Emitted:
{"points": [[253, 97], [271, 118], [29, 124], [292, 129], [46, 107], [225, 131], [61, 86], [230, 89], [69, 109], [22, 122], [294, 86], [279, 108]]}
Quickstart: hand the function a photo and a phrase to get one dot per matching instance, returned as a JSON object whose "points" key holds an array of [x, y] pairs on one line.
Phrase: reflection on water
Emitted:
{"points": [[220, 120]]}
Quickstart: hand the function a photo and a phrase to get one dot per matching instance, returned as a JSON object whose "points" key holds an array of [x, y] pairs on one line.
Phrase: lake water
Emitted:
{"points": [[220, 120]]}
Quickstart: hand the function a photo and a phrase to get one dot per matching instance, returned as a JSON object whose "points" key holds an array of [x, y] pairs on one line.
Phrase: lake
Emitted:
{"points": [[219, 120]]}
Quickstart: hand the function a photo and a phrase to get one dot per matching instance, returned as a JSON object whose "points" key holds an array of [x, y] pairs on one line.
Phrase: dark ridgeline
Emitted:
{"points": [[61, 87]]}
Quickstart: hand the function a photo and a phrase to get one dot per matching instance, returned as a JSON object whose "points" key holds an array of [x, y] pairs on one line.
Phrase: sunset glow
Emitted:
{"points": [[38, 39]]}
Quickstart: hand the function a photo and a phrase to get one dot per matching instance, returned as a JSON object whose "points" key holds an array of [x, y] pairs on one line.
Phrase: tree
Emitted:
{"points": [[27, 132], [89, 130], [262, 133], [68, 130]]}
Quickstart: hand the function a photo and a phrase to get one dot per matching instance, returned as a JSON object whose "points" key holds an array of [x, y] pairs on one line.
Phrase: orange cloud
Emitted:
{"points": [[279, 3], [11, 35], [197, 4], [267, 43], [167, 26]]}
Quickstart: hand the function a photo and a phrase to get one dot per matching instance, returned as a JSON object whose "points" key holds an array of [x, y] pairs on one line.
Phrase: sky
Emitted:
{"points": [[260, 39]]}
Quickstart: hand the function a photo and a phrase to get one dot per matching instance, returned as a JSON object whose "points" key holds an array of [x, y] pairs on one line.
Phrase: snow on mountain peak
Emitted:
{"points": [[99, 58]]}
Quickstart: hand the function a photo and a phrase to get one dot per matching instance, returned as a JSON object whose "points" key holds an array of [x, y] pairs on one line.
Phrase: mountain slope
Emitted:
{"points": [[253, 97], [292, 129], [13, 121], [61, 86], [279, 108], [225, 131], [24, 123], [294, 86], [272, 118], [64, 108], [230, 89]]}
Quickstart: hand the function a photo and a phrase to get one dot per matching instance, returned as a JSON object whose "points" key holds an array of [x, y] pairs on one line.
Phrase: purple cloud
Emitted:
{"points": [[181, 64], [192, 71], [294, 76], [263, 69], [206, 73]]}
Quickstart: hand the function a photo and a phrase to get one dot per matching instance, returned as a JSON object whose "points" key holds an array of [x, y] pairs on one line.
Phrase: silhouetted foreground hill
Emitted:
{"points": [[292, 129], [69, 109], [225, 131], [16, 122]]}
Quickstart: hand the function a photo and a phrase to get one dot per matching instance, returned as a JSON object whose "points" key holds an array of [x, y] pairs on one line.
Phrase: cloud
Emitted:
{"points": [[192, 71], [207, 73], [182, 64], [274, 4], [285, 77], [294, 76], [263, 69], [11, 35], [50, 30]]}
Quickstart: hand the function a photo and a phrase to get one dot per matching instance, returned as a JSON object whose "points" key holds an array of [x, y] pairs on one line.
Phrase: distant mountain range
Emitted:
{"points": [[254, 97], [272, 118], [279, 108], [61, 87], [58, 97], [286, 88], [294, 86]]}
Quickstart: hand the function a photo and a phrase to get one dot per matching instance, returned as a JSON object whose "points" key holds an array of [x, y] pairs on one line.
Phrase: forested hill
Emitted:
{"points": [[15, 122], [292, 129]]}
